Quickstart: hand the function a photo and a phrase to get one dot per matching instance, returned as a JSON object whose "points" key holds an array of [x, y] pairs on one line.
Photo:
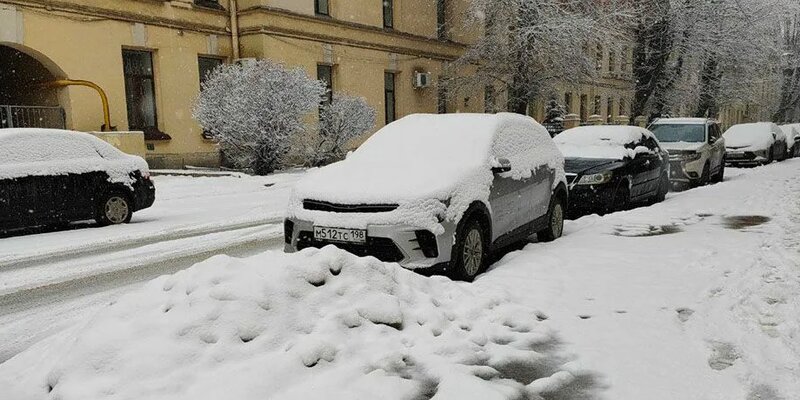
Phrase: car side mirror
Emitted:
{"points": [[712, 140], [504, 166]]}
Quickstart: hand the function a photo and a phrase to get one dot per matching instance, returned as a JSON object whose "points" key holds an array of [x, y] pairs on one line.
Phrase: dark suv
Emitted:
{"points": [[52, 177]]}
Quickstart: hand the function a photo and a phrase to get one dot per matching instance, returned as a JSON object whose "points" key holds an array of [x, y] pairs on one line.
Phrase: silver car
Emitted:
{"points": [[437, 192]]}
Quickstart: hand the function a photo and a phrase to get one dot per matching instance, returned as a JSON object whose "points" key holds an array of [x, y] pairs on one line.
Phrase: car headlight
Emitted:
{"points": [[692, 156], [595, 179]]}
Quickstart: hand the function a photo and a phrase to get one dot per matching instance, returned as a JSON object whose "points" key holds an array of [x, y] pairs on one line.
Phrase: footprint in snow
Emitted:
{"points": [[684, 313], [723, 355]]}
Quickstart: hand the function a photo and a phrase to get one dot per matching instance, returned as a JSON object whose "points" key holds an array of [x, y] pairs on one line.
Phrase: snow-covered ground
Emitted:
{"points": [[694, 298], [48, 281]]}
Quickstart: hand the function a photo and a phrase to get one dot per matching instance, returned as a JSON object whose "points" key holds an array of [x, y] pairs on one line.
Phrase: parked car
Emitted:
{"points": [[435, 191], [696, 149], [755, 143], [53, 177], [792, 132], [609, 168]]}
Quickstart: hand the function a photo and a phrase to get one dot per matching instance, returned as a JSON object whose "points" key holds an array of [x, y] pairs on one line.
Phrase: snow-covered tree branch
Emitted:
{"points": [[254, 109], [344, 119]]}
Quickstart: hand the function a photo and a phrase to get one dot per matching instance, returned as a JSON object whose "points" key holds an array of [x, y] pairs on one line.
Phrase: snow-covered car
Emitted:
{"points": [[792, 132], [755, 143], [435, 192], [609, 168], [696, 149], [52, 177]]}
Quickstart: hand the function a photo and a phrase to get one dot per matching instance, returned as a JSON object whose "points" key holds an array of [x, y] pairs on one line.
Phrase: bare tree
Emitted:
{"points": [[789, 108], [343, 120], [254, 109], [529, 47]]}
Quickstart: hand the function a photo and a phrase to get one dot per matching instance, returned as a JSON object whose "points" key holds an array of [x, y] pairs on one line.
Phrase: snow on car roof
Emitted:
{"points": [[681, 121], [601, 141], [42, 152], [756, 134]]}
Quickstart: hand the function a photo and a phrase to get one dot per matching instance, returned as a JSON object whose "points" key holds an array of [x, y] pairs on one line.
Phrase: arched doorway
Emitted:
{"points": [[25, 99]]}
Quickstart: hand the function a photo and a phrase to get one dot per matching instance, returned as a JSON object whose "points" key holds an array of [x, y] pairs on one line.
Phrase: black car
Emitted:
{"points": [[609, 168], [53, 177]]}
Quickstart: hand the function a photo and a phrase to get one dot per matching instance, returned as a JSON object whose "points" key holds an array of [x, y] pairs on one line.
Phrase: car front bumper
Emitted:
{"points": [[388, 243], [685, 171], [145, 193], [584, 198], [745, 157]]}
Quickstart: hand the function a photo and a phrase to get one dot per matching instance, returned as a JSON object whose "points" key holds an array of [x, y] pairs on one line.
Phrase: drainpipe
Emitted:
{"points": [[71, 82], [234, 29]]}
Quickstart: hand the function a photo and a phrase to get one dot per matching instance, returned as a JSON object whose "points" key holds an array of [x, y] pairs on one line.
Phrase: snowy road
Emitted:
{"points": [[694, 298], [50, 281]]}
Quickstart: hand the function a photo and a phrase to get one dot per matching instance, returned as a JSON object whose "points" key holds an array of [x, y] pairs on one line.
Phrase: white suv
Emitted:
{"points": [[696, 149], [435, 192]]}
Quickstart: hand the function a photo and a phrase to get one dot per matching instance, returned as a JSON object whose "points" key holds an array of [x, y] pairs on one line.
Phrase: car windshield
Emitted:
{"points": [[692, 133]]}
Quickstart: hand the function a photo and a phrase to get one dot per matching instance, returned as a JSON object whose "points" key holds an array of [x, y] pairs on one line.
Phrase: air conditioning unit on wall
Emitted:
{"points": [[422, 80]]}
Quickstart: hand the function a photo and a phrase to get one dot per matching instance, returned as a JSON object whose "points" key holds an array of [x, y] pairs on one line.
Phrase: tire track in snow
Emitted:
{"points": [[117, 245]]}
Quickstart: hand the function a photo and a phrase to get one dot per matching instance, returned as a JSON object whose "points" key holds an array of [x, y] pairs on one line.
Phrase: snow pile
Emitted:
{"points": [[612, 142], [315, 324], [754, 136], [431, 166], [45, 152]]}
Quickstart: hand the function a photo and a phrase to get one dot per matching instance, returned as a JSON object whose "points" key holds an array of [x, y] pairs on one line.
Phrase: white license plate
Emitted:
{"points": [[340, 234]]}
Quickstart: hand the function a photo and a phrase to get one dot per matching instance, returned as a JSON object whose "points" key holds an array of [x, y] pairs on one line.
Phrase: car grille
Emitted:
{"points": [[383, 249], [316, 205]]}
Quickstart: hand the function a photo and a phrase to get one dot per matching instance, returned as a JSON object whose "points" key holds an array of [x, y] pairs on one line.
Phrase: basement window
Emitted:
{"points": [[209, 4]]}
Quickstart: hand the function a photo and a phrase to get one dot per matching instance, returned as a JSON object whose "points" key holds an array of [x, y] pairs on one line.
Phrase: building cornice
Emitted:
{"points": [[271, 21], [127, 16]]}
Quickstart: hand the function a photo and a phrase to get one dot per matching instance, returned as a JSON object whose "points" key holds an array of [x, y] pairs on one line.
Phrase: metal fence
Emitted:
{"points": [[32, 117]]}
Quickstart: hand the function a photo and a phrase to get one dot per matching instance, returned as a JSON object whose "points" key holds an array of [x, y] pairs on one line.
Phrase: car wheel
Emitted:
{"points": [[721, 174], [555, 221], [114, 209], [705, 178], [470, 252], [622, 198], [663, 189]]}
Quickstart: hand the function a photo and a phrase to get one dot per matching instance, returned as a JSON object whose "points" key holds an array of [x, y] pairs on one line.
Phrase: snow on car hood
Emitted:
{"points": [[47, 152], [602, 142], [752, 137], [431, 166], [681, 146], [319, 324]]}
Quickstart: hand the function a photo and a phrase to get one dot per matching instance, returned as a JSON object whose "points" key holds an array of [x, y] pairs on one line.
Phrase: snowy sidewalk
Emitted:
{"points": [[694, 298]]}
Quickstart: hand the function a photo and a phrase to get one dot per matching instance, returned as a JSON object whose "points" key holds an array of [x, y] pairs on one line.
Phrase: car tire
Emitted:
{"points": [[470, 252], [114, 208], [663, 189], [622, 198], [720, 176], [555, 221], [705, 178]]}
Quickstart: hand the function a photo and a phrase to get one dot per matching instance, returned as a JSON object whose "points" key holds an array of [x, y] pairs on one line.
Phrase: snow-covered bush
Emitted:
{"points": [[254, 109], [341, 121]]}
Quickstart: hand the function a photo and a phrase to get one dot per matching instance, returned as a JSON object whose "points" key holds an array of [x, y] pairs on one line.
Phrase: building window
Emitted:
{"points": [[389, 96], [597, 103], [584, 107], [489, 99], [612, 60], [321, 7], [609, 110], [624, 67], [388, 14], [599, 57], [209, 4], [325, 74], [441, 19], [140, 92], [206, 66], [568, 102]]}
